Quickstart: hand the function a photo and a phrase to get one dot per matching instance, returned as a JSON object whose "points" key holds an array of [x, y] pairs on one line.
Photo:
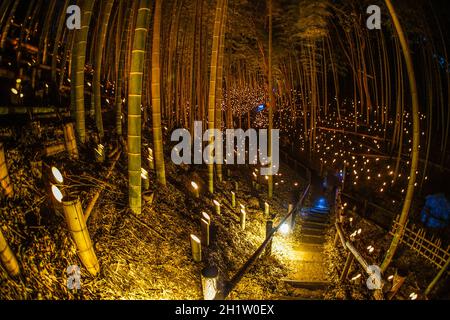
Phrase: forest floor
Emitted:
{"points": [[145, 256], [148, 256]]}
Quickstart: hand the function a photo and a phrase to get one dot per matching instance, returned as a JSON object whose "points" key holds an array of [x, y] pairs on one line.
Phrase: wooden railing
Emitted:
{"points": [[417, 240], [351, 256], [231, 285]]}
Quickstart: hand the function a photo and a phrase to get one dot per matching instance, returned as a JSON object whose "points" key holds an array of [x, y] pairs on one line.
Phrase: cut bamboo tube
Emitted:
{"points": [[71, 142], [77, 227], [195, 188], [243, 218], [266, 209], [53, 149], [196, 248], [205, 232], [233, 199], [209, 282], [7, 257], [217, 206], [5, 181]]}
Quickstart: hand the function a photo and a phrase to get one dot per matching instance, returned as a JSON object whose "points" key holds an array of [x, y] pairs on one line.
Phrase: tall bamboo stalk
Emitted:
{"points": [[120, 79], [416, 136], [134, 106], [212, 92], [104, 20], [78, 64], [156, 96], [218, 112]]}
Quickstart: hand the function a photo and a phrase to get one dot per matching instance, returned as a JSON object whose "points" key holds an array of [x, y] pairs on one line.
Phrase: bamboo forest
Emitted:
{"points": [[251, 150]]}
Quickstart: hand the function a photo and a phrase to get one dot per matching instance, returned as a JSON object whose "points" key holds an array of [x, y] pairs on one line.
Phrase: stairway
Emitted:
{"points": [[308, 280]]}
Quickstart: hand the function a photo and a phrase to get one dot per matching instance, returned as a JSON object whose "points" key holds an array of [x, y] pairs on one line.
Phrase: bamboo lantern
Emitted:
{"points": [[243, 218], [56, 200], [205, 232], [209, 282], [52, 149], [196, 248], [206, 225], [195, 188], [77, 226], [233, 199], [266, 209], [5, 181], [217, 206], [7, 257], [145, 180], [71, 142]]}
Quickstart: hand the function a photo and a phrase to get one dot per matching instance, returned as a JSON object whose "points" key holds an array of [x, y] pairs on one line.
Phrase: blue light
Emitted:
{"points": [[321, 203], [261, 107]]}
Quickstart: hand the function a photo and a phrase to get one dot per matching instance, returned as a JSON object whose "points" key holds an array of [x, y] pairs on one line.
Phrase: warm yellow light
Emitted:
{"points": [[195, 238], [57, 193], [18, 80], [216, 203], [284, 229], [194, 185], [144, 173], [14, 90], [57, 174], [206, 216], [356, 277]]}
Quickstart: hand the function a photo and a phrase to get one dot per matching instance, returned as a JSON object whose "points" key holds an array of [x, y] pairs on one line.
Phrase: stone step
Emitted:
{"points": [[311, 285]]}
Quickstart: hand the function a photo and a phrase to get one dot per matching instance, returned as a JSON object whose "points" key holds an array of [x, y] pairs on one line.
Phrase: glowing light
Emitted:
{"points": [[413, 296], [206, 217], [57, 174], [14, 90], [284, 229], [144, 174], [57, 193], [195, 238], [356, 277], [194, 185], [216, 203]]}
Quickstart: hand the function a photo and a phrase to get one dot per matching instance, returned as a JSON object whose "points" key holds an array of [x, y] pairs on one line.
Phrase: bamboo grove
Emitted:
{"points": [[160, 65]]}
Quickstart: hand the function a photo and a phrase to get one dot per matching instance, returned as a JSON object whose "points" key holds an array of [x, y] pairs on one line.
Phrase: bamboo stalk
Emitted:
{"points": [[212, 92], [156, 96], [8, 258], [5, 180], [134, 106], [78, 64], [104, 20], [416, 137]]}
